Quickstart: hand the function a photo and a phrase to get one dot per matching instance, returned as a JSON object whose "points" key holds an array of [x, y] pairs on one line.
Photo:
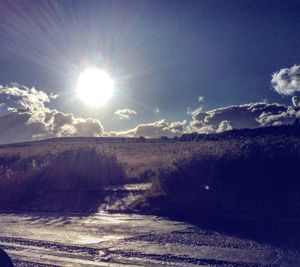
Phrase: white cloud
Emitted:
{"points": [[287, 81], [224, 126], [285, 117], [53, 96], [296, 101], [122, 114], [190, 111], [156, 110], [207, 129], [251, 115], [154, 129], [28, 117], [201, 99]]}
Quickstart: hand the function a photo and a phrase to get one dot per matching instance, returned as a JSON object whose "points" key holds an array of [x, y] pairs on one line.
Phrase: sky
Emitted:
{"points": [[177, 66]]}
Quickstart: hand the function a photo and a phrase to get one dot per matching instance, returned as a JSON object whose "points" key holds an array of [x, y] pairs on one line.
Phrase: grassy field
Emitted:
{"points": [[137, 158], [56, 174], [249, 176]]}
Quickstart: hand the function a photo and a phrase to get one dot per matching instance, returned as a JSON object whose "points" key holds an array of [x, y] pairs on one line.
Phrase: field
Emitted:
{"points": [[245, 177], [47, 174], [135, 157]]}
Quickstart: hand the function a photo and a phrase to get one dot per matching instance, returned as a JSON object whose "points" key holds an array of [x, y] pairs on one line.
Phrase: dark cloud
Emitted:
{"points": [[286, 117], [15, 128], [287, 81], [250, 115], [27, 117], [123, 114]]}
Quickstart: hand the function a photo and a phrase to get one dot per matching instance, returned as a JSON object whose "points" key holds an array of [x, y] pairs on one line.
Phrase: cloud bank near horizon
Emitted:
{"points": [[154, 129], [251, 115], [25, 116]]}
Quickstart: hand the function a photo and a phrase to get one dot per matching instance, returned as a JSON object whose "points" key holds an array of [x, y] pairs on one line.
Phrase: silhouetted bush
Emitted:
{"points": [[257, 178]]}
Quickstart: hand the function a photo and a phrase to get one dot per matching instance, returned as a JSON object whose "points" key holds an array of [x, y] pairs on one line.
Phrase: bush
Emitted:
{"points": [[251, 178]]}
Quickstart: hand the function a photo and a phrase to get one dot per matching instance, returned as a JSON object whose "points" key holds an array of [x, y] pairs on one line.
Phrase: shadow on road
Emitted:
{"points": [[284, 235]]}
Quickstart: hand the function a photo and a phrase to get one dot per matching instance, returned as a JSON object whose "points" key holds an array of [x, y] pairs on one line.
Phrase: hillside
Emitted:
{"points": [[241, 173]]}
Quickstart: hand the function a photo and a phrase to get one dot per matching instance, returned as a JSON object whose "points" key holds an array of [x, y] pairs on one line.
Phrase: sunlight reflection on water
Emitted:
{"points": [[104, 218], [95, 240]]}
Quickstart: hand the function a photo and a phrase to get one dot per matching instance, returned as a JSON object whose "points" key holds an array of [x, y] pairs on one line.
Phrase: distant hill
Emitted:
{"points": [[282, 130], [75, 140]]}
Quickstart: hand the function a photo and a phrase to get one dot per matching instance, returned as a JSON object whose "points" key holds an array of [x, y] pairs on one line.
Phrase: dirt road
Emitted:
{"points": [[106, 239], [101, 239]]}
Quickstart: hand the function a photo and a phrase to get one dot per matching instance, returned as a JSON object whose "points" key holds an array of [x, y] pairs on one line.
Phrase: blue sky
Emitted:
{"points": [[161, 54]]}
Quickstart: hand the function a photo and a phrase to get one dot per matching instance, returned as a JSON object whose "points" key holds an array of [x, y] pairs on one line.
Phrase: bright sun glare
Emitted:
{"points": [[95, 87]]}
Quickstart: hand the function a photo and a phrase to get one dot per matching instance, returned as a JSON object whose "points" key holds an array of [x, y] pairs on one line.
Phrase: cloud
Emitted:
{"points": [[61, 124], [286, 117], [207, 129], [201, 99], [15, 128], [251, 115], [178, 126], [287, 81], [156, 110], [124, 114], [296, 101], [154, 129], [190, 111], [224, 126], [27, 117], [29, 99]]}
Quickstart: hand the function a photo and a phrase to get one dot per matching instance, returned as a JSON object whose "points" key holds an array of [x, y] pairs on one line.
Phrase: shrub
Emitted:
{"points": [[253, 177]]}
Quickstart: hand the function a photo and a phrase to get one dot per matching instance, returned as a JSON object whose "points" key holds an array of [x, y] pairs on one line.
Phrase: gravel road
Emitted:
{"points": [[112, 239], [55, 239]]}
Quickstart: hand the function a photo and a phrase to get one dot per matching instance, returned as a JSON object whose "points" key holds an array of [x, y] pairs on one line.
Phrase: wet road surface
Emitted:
{"points": [[112, 239], [102, 239]]}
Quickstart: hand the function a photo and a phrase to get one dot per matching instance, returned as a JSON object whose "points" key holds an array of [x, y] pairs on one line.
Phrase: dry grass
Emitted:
{"points": [[239, 172], [136, 158], [253, 177]]}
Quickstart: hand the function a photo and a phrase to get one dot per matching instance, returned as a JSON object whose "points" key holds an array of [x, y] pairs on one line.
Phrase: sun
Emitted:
{"points": [[95, 87]]}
